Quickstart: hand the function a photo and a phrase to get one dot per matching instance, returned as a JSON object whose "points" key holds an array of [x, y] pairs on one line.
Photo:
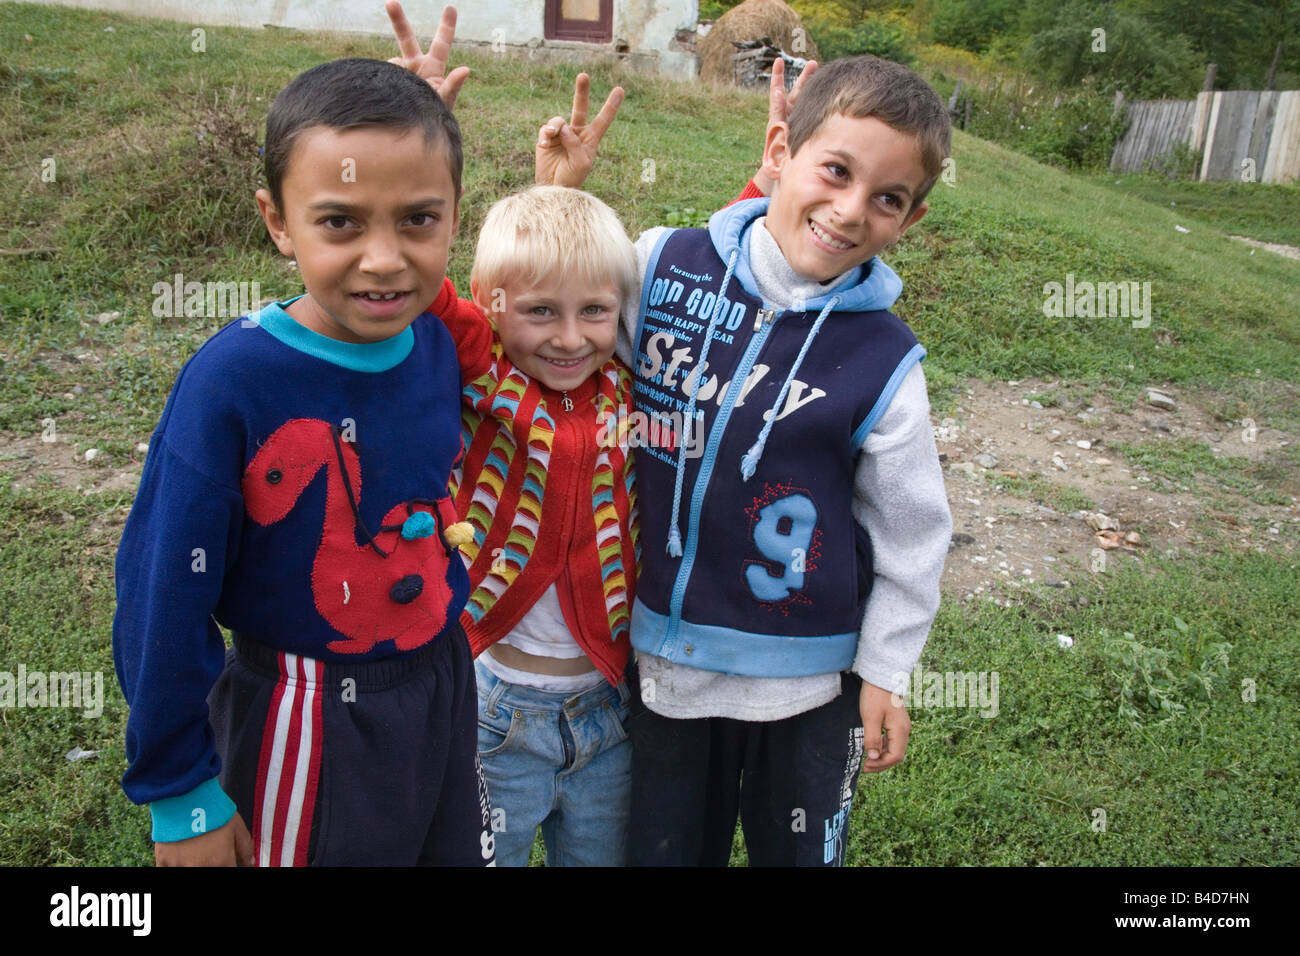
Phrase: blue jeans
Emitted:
{"points": [[561, 762]]}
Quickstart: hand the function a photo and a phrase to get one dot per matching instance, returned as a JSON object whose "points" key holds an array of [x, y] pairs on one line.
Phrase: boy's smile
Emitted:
{"points": [[369, 214], [559, 331], [845, 196]]}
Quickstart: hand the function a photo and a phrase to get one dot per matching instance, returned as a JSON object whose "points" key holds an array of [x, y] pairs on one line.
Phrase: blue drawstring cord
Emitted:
{"points": [[688, 422], [749, 462]]}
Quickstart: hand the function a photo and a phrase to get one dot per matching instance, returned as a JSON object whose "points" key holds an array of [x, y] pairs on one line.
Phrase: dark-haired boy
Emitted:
{"points": [[296, 493], [790, 575]]}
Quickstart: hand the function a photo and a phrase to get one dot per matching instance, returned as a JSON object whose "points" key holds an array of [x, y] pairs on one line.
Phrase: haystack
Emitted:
{"points": [[751, 20]]}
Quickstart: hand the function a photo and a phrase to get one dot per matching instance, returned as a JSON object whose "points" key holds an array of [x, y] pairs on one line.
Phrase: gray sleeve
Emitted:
{"points": [[625, 349], [899, 498]]}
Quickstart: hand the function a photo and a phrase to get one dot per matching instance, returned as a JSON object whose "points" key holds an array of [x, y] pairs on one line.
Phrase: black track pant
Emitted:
{"points": [[791, 781], [370, 763]]}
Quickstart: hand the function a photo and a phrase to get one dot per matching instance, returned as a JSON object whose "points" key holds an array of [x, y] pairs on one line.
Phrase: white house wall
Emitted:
{"points": [[648, 26]]}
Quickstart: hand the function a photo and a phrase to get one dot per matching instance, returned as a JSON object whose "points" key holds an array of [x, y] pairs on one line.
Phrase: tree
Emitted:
{"points": [[1239, 35], [1112, 48]]}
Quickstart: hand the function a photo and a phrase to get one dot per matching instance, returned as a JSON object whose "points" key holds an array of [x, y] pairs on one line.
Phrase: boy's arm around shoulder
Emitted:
{"points": [[475, 339], [167, 650], [469, 329], [899, 498]]}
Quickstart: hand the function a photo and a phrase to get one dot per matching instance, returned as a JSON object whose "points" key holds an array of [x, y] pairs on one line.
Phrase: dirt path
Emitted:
{"points": [[1065, 455], [1291, 252]]}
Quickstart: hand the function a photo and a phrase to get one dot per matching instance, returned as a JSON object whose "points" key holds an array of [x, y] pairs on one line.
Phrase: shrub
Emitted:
{"points": [[1079, 133], [1181, 162], [1162, 677], [972, 24], [879, 36]]}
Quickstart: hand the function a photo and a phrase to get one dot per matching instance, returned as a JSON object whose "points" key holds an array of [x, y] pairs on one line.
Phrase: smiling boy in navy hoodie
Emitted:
{"points": [[790, 574]]}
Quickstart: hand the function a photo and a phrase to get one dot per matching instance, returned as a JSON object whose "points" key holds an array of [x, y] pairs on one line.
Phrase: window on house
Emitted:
{"points": [[591, 21]]}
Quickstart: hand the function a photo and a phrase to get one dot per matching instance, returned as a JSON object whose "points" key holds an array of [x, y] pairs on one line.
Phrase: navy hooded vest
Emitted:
{"points": [[774, 572]]}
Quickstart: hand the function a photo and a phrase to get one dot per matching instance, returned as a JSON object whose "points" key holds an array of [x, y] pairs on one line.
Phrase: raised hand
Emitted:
{"points": [[779, 103], [567, 151], [431, 65]]}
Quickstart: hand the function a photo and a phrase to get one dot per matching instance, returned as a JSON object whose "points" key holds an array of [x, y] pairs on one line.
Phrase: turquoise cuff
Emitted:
{"points": [[202, 810]]}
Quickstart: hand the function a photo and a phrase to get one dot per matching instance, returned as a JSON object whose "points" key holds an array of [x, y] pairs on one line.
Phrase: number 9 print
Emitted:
{"points": [[783, 535]]}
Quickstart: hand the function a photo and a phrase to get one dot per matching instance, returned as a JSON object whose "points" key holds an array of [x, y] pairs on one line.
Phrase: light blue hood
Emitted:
{"points": [[730, 231]]}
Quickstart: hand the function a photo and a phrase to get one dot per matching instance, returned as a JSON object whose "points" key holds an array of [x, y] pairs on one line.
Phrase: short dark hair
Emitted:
{"points": [[861, 86], [353, 94]]}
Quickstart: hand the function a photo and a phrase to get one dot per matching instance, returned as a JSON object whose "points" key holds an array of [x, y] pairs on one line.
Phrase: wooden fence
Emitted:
{"points": [[1244, 135]]}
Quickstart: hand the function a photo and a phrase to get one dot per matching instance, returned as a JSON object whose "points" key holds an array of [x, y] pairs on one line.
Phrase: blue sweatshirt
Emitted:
{"points": [[295, 491]]}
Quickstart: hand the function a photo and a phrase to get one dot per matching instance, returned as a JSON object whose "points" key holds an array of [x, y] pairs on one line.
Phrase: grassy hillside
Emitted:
{"points": [[154, 149]]}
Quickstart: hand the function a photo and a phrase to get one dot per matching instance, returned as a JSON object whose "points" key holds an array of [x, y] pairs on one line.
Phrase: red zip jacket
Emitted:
{"points": [[528, 467]]}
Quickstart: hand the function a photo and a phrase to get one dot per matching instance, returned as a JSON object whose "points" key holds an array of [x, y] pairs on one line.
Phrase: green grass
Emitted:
{"points": [[139, 195], [976, 267], [1039, 490], [1193, 464], [56, 607], [1267, 212], [1210, 781], [1048, 399]]}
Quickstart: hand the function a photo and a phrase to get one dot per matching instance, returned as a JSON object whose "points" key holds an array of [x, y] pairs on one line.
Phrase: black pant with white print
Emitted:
{"points": [[790, 781]]}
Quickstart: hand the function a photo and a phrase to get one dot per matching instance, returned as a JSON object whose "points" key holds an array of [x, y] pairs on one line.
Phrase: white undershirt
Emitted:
{"points": [[542, 631]]}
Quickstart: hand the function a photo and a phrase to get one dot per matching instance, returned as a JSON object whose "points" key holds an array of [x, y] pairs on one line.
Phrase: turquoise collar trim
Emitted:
{"points": [[368, 357]]}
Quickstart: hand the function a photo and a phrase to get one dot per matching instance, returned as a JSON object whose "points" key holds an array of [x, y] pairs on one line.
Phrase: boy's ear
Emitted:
{"points": [[275, 224], [776, 150], [913, 217], [486, 299], [480, 295]]}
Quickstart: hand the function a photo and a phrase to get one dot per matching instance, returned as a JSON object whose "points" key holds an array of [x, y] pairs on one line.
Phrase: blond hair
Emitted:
{"points": [[549, 230]]}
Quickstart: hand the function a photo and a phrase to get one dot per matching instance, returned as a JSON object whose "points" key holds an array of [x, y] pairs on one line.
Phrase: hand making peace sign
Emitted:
{"points": [[431, 65], [567, 151]]}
